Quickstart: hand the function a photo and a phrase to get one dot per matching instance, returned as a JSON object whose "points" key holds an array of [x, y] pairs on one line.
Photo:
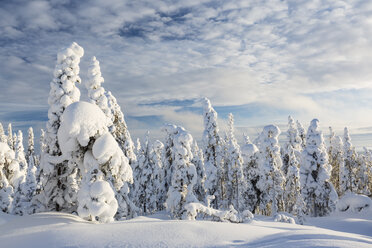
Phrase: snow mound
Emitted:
{"points": [[284, 217], [354, 202], [79, 122]]}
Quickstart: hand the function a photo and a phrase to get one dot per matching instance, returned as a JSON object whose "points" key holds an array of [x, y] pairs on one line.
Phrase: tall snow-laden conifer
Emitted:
{"points": [[184, 175], [301, 133], [294, 142], [198, 161], [157, 154], [145, 188], [84, 138], [348, 172], [10, 139], [293, 200], [108, 104], [236, 185], [250, 170], [7, 162], [31, 181], [318, 192], [57, 193], [3, 137], [270, 178], [335, 154], [213, 156], [21, 201]]}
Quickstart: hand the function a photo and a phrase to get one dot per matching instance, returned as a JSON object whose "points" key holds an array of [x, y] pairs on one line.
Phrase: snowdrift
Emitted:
{"points": [[65, 230]]}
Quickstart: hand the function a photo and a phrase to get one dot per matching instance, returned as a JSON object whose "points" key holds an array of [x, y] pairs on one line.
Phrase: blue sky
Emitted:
{"points": [[260, 60]]}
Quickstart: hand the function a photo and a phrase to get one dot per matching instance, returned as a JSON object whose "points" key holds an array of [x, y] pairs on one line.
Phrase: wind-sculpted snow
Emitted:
{"points": [[65, 230]]}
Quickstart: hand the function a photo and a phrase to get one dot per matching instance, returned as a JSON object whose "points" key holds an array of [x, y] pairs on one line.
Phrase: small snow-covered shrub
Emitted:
{"points": [[354, 202], [231, 215], [247, 216], [284, 217]]}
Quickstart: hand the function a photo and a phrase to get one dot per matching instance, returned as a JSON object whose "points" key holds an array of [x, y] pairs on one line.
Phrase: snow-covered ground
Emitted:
{"points": [[65, 230]]}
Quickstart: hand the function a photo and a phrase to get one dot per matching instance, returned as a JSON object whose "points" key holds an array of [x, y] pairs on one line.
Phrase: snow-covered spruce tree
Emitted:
{"points": [[293, 143], [96, 92], [236, 185], [59, 190], [39, 178], [31, 181], [7, 162], [301, 133], [250, 170], [168, 156], [362, 174], [84, 138], [21, 201], [270, 178], [293, 200], [184, 174], [145, 187], [198, 161], [213, 156], [10, 139], [348, 174], [156, 156], [368, 163], [3, 138], [20, 152], [120, 130], [108, 104], [336, 154], [318, 192]]}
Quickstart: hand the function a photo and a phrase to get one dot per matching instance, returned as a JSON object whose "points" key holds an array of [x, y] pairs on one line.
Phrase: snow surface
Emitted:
{"points": [[65, 230]]}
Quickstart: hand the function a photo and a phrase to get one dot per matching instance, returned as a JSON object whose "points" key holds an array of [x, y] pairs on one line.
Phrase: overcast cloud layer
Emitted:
{"points": [[260, 60]]}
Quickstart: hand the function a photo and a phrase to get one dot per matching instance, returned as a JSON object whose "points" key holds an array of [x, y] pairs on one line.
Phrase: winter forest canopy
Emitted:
{"points": [[89, 165]]}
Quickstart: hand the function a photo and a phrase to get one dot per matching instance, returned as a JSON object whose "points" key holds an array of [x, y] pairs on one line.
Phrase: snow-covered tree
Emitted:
{"points": [[184, 175], [31, 181], [318, 192], [21, 201], [96, 92], [120, 130], [156, 156], [348, 173], [270, 178], [250, 169], [198, 161], [145, 188], [294, 142], [7, 162], [361, 173], [20, 152], [3, 138], [10, 139], [235, 184], [293, 200], [59, 179], [84, 138], [335, 154], [301, 133], [213, 156]]}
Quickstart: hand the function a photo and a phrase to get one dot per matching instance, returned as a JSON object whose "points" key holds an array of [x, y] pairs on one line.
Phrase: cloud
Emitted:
{"points": [[263, 59]]}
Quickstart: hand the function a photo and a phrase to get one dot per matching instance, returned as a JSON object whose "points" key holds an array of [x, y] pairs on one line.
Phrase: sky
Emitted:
{"points": [[260, 60]]}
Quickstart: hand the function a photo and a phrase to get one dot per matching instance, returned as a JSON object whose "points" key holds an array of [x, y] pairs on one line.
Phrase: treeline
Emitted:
{"points": [[89, 164]]}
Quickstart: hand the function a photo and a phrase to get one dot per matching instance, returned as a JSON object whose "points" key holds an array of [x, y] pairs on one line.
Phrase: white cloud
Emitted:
{"points": [[277, 53]]}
